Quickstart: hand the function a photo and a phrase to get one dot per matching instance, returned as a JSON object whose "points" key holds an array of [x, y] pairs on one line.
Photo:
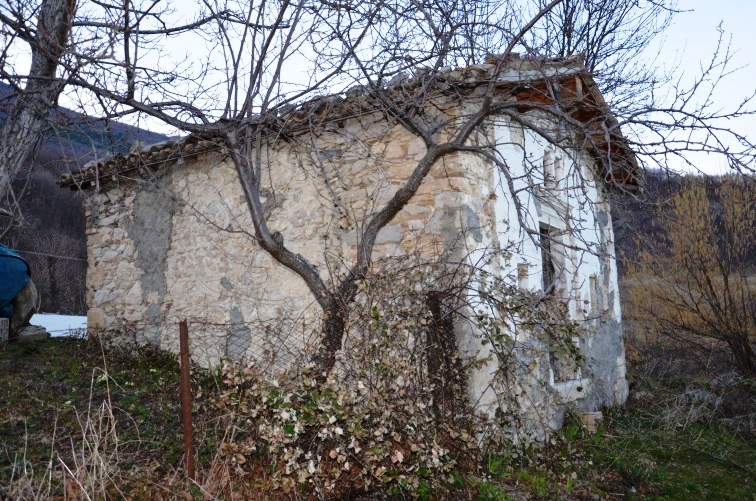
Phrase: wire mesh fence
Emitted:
{"points": [[271, 346], [4, 329]]}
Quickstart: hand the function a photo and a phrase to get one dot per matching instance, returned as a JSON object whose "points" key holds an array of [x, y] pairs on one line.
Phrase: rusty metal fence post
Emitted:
{"points": [[186, 399]]}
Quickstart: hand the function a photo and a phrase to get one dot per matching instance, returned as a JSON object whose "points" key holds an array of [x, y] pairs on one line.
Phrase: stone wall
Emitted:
{"points": [[177, 243]]}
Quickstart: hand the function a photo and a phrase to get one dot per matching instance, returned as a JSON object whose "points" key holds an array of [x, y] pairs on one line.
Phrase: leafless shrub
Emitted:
{"points": [[692, 285], [394, 414]]}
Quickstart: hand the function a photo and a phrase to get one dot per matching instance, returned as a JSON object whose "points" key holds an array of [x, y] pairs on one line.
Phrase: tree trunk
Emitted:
{"points": [[27, 119], [444, 369], [334, 326], [53, 281]]}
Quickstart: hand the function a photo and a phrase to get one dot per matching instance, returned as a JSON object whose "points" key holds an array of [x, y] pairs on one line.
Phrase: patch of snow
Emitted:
{"points": [[61, 325]]}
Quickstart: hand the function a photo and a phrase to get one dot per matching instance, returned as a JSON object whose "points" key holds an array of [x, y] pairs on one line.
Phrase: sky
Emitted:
{"points": [[694, 30], [693, 37], [689, 42]]}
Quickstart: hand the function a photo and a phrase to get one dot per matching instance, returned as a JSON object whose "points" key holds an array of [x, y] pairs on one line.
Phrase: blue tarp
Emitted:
{"points": [[14, 273]]}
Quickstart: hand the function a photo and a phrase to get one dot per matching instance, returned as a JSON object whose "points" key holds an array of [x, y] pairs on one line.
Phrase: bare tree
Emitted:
{"points": [[37, 92], [66, 40], [243, 86], [373, 41], [611, 35], [692, 284], [669, 114]]}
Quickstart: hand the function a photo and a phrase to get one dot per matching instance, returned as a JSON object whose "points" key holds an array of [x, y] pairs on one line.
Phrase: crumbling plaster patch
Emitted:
{"points": [[149, 227]]}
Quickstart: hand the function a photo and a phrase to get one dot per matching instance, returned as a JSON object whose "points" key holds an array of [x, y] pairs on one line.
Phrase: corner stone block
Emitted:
{"points": [[416, 148], [395, 150]]}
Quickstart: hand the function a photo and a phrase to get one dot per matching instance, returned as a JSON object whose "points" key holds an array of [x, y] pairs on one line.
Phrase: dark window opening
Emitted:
{"points": [[547, 261]]}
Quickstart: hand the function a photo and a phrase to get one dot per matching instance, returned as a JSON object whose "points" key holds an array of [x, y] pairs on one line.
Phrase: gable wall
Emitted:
{"points": [[573, 205]]}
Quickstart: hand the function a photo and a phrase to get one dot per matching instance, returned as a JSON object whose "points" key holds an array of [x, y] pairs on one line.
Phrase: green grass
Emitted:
{"points": [[639, 452], [703, 460], [48, 388]]}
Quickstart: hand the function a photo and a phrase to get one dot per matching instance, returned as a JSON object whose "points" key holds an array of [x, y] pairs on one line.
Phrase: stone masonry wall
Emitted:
{"points": [[177, 243]]}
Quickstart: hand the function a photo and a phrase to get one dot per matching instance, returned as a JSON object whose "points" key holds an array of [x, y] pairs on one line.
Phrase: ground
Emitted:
{"points": [[70, 409]]}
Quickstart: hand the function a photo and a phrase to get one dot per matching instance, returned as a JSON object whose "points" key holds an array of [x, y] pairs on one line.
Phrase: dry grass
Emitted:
{"points": [[79, 424], [75, 425]]}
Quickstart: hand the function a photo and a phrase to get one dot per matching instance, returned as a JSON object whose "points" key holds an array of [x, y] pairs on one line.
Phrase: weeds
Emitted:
{"points": [[64, 428], [79, 424], [662, 445]]}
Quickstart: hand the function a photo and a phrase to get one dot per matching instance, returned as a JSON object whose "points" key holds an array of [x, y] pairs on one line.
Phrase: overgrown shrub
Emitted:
{"points": [[693, 283], [394, 414]]}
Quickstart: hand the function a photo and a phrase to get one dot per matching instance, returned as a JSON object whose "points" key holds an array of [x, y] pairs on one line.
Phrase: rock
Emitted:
{"points": [[591, 421], [32, 333], [642, 396], [701, 396], [25, 304]]}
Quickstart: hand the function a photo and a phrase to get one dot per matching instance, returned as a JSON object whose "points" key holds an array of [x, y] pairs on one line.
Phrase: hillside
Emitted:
{"points": [[638, 217], [635, 215], [77, 138]]}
